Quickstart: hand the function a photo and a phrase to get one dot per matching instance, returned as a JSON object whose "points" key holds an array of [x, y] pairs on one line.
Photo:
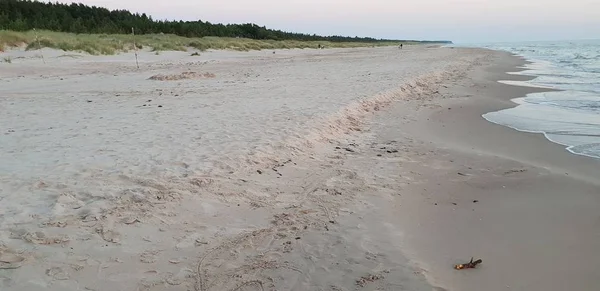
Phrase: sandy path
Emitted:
{"points": [[218, 183]]}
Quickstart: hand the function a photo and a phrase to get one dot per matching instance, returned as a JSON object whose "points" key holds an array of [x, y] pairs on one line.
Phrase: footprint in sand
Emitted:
{"points": [[149, 257], [109, 235], [38, 237], [10, 260], [179, 278], [57, 273]]}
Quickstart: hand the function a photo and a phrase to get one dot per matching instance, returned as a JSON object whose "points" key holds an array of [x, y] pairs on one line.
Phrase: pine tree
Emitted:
{"points": [[22, 15]]}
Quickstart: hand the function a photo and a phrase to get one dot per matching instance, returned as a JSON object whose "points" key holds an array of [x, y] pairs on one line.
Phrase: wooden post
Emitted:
{"points": [[135, 48], [39, 45]]}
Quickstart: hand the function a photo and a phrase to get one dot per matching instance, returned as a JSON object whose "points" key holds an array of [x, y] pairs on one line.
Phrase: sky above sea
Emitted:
{"points": [[461, 21]]}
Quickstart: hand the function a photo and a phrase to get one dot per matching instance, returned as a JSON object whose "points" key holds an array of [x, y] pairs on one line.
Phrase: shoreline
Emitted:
{"points": [[495, 193], [534, 68], [567, 147], [500, 99]]}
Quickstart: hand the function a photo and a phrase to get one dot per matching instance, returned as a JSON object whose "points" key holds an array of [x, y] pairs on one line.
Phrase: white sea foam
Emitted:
{"points": [[524, 84]]}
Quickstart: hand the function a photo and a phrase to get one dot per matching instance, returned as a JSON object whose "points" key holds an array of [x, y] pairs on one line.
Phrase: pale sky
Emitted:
{"points": [[456, 20]]}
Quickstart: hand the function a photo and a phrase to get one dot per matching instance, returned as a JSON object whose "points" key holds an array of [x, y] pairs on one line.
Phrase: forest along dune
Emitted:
{"points": [[172, 175]]}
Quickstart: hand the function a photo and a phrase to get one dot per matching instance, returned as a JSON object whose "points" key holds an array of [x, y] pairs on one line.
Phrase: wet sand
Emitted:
{"points": [[527, 207]]}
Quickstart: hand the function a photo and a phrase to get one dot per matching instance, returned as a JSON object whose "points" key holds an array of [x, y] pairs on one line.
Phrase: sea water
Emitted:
{"points": [[570, 117]]}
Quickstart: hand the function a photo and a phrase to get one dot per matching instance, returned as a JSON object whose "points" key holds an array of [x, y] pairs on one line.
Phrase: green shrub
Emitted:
{"points": [[107, 44]]}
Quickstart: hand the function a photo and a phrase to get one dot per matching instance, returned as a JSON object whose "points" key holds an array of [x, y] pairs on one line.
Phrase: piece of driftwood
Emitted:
{"points": [[470, 265]]}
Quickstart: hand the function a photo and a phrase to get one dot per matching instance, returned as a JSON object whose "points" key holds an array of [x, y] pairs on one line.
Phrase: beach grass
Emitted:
{"points": [[108, 44]]}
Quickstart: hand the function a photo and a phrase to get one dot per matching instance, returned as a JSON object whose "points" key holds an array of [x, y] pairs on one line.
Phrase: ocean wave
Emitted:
{"points": [[588, 150], [573, 133], [575, 82], [586, 144], [570, 117], [582, 57], [568, 76]]}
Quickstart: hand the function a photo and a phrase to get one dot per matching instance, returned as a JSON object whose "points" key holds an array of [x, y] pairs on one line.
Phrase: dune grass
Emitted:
{"points": [[108, 44]]}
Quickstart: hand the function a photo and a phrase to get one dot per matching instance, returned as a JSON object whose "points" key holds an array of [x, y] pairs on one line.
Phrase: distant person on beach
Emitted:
{"points": [[400, 46]]}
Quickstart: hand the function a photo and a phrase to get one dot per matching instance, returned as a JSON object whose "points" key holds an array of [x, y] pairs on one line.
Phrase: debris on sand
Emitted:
{"points": [[470, 265], [362, 282], [57, 273], [130, 220], [39, 238], [182, 76], [333, 192], [515, 171], [109, 235]]}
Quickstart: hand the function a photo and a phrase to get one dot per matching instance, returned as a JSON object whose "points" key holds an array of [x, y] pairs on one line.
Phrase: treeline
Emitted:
{"points": [[22, 15]]}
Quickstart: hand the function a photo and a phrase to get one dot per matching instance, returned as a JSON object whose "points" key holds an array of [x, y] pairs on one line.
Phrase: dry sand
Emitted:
{"points": [[299, 170]]}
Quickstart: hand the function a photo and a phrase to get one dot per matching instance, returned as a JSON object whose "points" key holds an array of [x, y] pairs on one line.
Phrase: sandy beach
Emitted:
{"points": [[337, 169]]}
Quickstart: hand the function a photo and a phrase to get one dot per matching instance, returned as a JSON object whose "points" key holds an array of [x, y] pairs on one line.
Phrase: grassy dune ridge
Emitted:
{"points": [[108, 44]]}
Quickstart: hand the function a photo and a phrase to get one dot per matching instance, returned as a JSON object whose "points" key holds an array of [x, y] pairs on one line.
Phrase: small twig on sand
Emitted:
{"points": [[469, 265], [135, 48], [39, 45]]}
